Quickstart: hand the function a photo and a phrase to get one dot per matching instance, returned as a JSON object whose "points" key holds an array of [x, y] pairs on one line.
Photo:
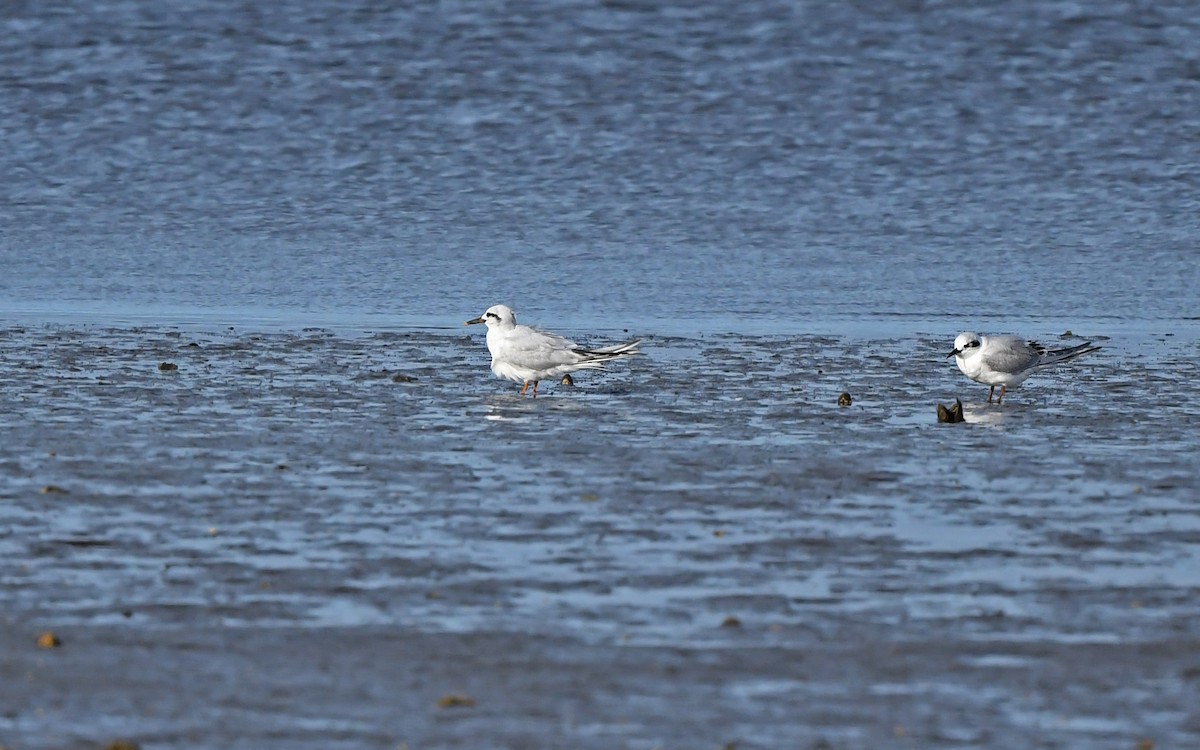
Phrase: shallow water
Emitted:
{"points": [[701, 169], [331, 516], [322, 481]]}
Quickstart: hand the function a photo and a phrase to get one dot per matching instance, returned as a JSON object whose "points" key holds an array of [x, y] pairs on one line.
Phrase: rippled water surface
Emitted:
{"points": [[624, 161], [258, 479]]}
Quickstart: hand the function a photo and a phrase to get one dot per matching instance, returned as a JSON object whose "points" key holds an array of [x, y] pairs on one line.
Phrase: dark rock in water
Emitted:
{"points": [[844, 399], [168, 366], [402, 378], [568, 380], [952, 415]]}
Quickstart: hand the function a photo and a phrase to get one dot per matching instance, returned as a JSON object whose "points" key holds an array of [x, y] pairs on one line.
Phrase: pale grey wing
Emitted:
{"points": [[539, 350], [1009, 354]]}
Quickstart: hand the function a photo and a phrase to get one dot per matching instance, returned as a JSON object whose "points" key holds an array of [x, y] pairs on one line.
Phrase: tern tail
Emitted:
{"points": [[607, 353], [1062, 355], [591, 359], [618, 349]]}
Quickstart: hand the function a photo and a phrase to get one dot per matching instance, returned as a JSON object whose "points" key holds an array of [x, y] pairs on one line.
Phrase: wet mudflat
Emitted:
{"points": [[357, 539]]}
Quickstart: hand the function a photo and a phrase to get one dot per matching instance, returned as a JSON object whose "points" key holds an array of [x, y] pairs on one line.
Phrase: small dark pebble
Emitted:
{"points": [[402, 378], [953, 415], [731, 622], [122, 745], [844, 399], [48, 640], [53, 489], [85, 543], [455, 701], [568, 380], [168, 366]]}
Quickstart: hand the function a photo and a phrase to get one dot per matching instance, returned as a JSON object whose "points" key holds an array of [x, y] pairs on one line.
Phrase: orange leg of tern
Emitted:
{"points": [[524, 387], [535, 388], [1002, 389], [992, 391]]}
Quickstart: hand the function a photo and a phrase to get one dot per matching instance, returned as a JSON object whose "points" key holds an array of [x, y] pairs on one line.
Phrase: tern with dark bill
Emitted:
{"points": [[528, 355], [1005, 361]]}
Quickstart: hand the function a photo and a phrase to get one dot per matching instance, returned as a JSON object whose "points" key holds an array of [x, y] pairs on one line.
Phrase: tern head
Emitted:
{"points": [[496, 315], [965, 342]]}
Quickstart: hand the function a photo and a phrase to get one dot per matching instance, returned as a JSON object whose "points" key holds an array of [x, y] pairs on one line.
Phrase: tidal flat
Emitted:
{"points": [[321, 538]]}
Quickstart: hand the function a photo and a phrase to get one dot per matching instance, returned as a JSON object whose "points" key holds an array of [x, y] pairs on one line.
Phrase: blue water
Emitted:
{"points": [[769, 166], [328, 513]]}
